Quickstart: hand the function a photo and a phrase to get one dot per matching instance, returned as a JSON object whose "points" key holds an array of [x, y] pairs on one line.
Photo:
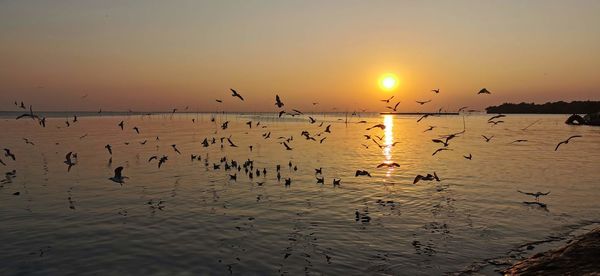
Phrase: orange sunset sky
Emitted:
{"points": [[158, 55]]}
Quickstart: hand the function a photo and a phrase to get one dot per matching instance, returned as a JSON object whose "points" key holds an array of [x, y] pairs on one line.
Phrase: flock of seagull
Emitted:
{"points": [[286, 143]]}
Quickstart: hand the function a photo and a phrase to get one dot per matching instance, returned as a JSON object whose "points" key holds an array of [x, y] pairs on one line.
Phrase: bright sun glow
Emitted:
{"points": [[388, 82]]}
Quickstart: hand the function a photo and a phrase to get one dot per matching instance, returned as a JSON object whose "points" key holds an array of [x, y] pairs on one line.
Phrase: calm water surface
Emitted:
{"points": [[78, 221]]}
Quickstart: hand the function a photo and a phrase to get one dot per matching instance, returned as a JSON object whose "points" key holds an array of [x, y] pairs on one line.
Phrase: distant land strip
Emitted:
{"points": [[574, 107]]}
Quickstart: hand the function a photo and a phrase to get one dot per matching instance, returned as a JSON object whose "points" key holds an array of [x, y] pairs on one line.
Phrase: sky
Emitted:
{"points": [[158, 55]]}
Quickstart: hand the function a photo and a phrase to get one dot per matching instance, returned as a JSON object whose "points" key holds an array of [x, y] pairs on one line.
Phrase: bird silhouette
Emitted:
{"points": [[422, 102], [118, 177], [175, 148], [362, 172], [436, 91], [429, 129], [486, 138], [328, 129], [496, 117], [109, 148], [137, 130], [566, 141], [484, 91], [236, 94], [424, 116], [162, 160], [388, 165], [381, 126], [388, 100], [122, 125], [336, 182], [438, 150], [428, 177], [468, 157], [278, 101], [536, 194], [8, 153]]}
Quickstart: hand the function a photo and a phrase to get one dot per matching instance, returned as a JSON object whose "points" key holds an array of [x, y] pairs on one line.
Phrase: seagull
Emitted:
{"points": [[153, 157], [496, 117], [462, 108], [336, 182], [424, 116], [136, 130], [396, 106], [429, 129], [518, 141], [495, 122], [428, 177], [388, 100], [118, 178], [281, 113], [436, 91], [483, 91], [389, 165], [381, 126], [312, 120], [288, 181], [121, 124], [233, 177], [566, 141], [9, 154], [486, 138], [236, 94], [231, 144], [440, 149], [278, 101], [175, 148], [362, 172], [287, 147], [320, 180], [322, 139], [327, 129], [162, 160], [468, 157], [69, 160], [536, 194], [109, 148], [445, 143], [28, 142], [422, 103]]}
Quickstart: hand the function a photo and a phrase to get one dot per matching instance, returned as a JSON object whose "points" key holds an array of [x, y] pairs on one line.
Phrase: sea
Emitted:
{"points": [[189, 217]]}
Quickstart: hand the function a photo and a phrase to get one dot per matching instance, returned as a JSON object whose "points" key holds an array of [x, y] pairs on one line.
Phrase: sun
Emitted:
{"points": [[388, 82]]}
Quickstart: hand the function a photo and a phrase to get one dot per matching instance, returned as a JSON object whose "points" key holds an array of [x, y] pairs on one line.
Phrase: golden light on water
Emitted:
{"points": [[388, 82], [388, 121]]}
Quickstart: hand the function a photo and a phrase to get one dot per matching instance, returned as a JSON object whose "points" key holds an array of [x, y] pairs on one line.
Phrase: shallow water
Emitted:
{"points": [[79, 221]]}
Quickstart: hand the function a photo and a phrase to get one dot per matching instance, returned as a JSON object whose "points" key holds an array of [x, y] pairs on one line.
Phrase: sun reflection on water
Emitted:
{"points": [[388, 121]]}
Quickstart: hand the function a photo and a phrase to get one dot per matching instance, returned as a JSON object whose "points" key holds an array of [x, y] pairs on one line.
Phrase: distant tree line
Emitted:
{"points": [[575, 107]]}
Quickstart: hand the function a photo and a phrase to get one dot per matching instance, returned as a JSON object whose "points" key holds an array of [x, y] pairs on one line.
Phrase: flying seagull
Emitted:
{"points": [[362, 172], [118, 177], [389, 165], [236, 94], [423, 102], [436, 91], [382, 126], [536, 194], [566, 141], [428, 177], [483, 91], [486, 138], [388, 100], [278, 101]]}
